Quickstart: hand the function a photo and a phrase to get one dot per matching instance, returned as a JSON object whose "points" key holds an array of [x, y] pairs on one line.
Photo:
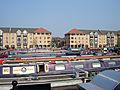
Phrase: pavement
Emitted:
{"points": [[53, 84]]}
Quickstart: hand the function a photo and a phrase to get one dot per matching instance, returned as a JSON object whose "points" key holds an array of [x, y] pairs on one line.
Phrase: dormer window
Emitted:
{"points": [[112, 34], [24, 32], [108, 34], [18, 32], [96, 34], [1, 32], [91, 33]]}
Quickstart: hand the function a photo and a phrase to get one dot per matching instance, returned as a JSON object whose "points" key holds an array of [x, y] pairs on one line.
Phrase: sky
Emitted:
{"points": [[60, 16]]}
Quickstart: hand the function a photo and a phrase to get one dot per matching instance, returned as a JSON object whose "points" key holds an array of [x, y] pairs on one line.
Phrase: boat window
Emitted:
{"points": [[111, 64], [61, 61], [60, 67], [79, 66], [6, 70], [96, 65]]}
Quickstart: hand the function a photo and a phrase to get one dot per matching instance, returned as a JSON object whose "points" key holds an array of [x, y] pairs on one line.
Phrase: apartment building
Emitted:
{"points": [[25, 37], [77, 38], [118, 33]]}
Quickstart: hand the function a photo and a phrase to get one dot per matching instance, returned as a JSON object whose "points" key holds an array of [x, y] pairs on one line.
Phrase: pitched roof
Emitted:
{"points": [[29, 30], [106, 80], [5, 29], [42, 30], [118, 32], [87, 31], [75, 31]]}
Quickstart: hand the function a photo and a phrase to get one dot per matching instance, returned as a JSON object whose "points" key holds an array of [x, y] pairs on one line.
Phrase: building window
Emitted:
{"points": [[48, 41], [0, 40], [72, 42], [19, 40], [6, 41], [25, 40], [12, 37], [31, 46], [12, 34], [48, 37], [47, 33], [73, 34], [30, 41], [72, 38]]}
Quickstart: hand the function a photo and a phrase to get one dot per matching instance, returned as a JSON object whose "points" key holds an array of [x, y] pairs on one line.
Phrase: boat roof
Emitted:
{"points": [[106, 80]]}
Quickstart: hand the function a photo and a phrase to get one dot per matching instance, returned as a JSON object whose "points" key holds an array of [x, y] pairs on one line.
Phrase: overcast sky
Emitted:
{"points": [[60, 16]]}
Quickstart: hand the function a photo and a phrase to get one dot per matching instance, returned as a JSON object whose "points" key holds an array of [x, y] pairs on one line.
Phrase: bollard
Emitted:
{"points": [[76, 74], [14, 84]]}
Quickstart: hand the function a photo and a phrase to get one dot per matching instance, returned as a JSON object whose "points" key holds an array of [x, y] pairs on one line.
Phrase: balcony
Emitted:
{"points": [[96, 36], [1, 35], [18, 35], [91, 36], [18, 44], [24, 35], [24, 44], [96, 42]]}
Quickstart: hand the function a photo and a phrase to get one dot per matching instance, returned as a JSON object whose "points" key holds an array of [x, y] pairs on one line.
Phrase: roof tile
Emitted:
{"points": [[75, 31], [42, 30]]}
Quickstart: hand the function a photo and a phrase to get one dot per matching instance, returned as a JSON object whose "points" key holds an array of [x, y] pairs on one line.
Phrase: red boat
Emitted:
{"points": [[76, 58], [1, 61]]}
